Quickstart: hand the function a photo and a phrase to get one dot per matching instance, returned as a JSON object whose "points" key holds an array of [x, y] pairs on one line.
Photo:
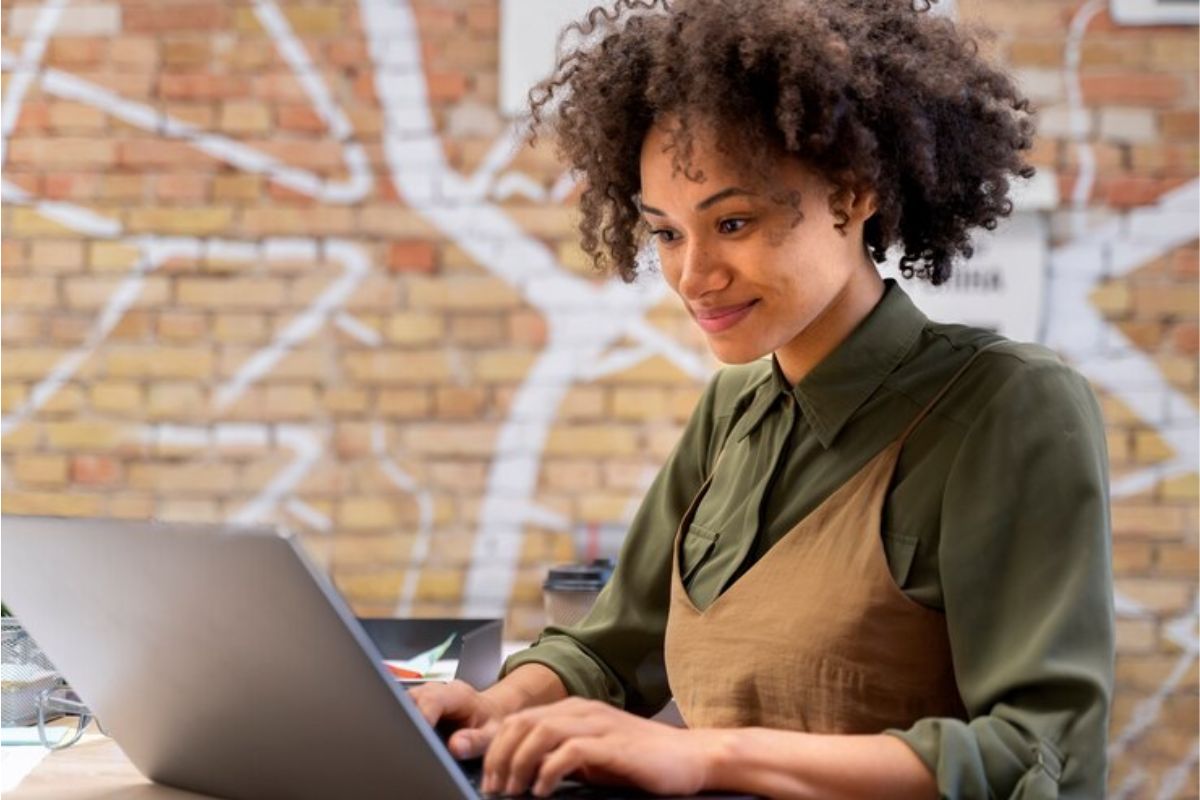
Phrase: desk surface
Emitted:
{"points": [[92, 769]]}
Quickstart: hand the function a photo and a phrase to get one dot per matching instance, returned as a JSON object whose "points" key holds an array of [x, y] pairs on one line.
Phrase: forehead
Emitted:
{"points": [[709, 169]]}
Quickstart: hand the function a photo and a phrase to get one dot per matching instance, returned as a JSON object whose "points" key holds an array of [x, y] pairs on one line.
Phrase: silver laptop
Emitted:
{"points": [[223, 662]]}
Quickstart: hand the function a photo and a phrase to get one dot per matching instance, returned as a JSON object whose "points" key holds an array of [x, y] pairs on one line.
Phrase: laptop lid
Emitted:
{"points": [[220, 660]]}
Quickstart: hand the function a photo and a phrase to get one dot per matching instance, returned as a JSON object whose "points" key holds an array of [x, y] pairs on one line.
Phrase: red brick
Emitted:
{"points": [[411, 256], [201, 86], [1126, 192], [1184, 125], [1134, 89], [70, 185], [151, 16], [1186, 338], [34, 117], [95, 470], [185, 186], [299, 118], [75, 51], [446, 86]]}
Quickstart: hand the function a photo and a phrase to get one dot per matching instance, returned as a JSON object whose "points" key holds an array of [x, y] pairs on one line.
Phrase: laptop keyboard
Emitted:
{"points": [[568, 790]]}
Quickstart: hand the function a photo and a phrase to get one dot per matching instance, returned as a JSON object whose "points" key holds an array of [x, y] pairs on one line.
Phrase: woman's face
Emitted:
{"points": [[753, 278]]}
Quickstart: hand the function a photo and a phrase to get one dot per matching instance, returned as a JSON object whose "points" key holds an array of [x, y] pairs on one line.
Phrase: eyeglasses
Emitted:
{"points": [[61, 701]]}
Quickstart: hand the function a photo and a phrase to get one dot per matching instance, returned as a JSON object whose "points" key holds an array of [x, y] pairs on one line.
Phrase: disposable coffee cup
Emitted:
{"points": [[570, 590]]}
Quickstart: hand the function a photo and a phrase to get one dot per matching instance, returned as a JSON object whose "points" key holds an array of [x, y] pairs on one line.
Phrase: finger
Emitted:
{"points": [[544, 736], [573, 756], [429, 703], [471, 742], [496, 760]]}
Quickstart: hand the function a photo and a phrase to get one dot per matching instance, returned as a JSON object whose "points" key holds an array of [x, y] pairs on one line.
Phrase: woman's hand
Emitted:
{"points": [[540, 746], [475, 713]]}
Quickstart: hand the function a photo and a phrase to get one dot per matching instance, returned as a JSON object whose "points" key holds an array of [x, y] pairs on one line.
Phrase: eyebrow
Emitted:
{"points": [[707, 202]]}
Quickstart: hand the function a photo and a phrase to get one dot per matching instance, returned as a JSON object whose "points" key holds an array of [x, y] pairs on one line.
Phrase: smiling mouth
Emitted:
{"points": [[719, 319]]}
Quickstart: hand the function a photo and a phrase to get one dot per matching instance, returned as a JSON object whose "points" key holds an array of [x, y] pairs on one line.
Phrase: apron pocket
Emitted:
{"points": [[698, 545], [899, 549]]}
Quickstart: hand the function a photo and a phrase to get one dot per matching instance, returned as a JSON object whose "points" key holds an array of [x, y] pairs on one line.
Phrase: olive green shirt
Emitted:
{"points": [[997, 514]]}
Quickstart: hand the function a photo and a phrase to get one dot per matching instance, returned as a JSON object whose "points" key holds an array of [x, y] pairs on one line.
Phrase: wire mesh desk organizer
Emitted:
{"points": [[34, 693]]}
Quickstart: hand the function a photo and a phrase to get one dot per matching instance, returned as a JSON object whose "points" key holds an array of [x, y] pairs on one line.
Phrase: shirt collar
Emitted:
{"points": [[837, 387]]}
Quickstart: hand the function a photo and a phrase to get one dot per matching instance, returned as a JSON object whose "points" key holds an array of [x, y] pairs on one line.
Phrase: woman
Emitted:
{"points": [[877, 563]]}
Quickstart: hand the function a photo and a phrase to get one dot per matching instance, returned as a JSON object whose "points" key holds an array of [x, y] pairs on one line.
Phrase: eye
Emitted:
{"points": [[732, 225], [664, 235]]}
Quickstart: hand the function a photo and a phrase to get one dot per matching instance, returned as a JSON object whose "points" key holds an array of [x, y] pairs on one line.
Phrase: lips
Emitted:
{"points": [[715, 320]]}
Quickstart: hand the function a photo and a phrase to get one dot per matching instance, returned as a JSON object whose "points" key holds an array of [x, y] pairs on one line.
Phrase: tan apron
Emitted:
{"points": [[815, 636]]}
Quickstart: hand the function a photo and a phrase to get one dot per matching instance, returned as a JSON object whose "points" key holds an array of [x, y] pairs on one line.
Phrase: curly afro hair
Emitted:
{"points": [[875, 95]]}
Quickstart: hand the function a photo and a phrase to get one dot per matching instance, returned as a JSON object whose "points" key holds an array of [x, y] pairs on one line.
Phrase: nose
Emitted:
{"points": [[700, 272]]}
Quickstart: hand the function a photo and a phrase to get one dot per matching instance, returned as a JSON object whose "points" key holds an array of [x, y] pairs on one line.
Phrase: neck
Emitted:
{"points": [[832, 325]]}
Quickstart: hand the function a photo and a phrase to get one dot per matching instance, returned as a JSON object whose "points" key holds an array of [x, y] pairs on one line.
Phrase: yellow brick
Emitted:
{"points": [[224, 293], [245, 117], [57, 256], [158, 362], [393, 220], [58, 504], [415, 328], [1165, 300], [184, 478], [284, 221], [24, 438], [1181, 487], [484, 330], [284, 402], [76, 118], [34, 362], [63, 151], [1112, 298], [85, 435], [314, 20], [112, 256], [344, 400], [12, 395], [237, 186], [1178, 560], [655, 370], [639, 403], [404, 403], [1120, 445], [557, 222], [440, 584], [29, 292], [591, 440], [582, 402], [240, 328], [182, 326], [663, 439], [199, 221], [67, 399], [178, 509], [572, 257], [369, 550], [128, 505], [603, 507], [1157, 594], [40, 469], [397, 367], [176, 401], [367, 587], [510, 365], [460, 402], [1149, 447], [116, 397], [361, 513], [90, 294], [1147, 520], [467, 293], [464, 438], [1136, 635]]}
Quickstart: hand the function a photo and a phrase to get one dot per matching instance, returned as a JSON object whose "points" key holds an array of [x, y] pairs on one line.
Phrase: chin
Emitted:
{"points": [[729, 353]]}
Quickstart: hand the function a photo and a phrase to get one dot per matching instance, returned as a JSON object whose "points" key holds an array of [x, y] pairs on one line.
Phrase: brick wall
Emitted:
{"points": [[277, 263]]}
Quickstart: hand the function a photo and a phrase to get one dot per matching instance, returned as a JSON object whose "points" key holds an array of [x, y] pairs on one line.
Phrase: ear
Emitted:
{"points": [[863, 205]]}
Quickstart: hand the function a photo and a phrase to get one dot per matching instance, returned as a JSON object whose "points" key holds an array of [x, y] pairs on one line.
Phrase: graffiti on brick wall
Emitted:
{"points": [[594, 329]]}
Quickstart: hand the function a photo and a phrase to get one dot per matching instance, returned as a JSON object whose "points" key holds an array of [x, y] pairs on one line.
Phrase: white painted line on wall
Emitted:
{"points": [[308, 515], [357, 329], [308, 448], [355, 266], [26, 67]]}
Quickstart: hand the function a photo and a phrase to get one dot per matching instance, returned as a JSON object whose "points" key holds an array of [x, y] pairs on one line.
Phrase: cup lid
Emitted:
{"points": [[579, 577]]}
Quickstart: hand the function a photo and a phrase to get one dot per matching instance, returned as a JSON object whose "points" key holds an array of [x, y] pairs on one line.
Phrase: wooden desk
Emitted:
{"points": [[93, 768]]}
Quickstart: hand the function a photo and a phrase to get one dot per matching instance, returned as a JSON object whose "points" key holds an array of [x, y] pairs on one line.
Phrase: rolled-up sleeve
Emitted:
{"points": [[616, 653], [1025, 562]]}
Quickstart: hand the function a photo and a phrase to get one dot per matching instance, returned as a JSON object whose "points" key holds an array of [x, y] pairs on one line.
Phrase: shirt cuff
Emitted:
{"points": [[984, 759], [580, 673]]}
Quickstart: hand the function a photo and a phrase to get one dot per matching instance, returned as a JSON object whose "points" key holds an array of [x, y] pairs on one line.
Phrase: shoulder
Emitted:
{"points": [[1007, 376]]}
